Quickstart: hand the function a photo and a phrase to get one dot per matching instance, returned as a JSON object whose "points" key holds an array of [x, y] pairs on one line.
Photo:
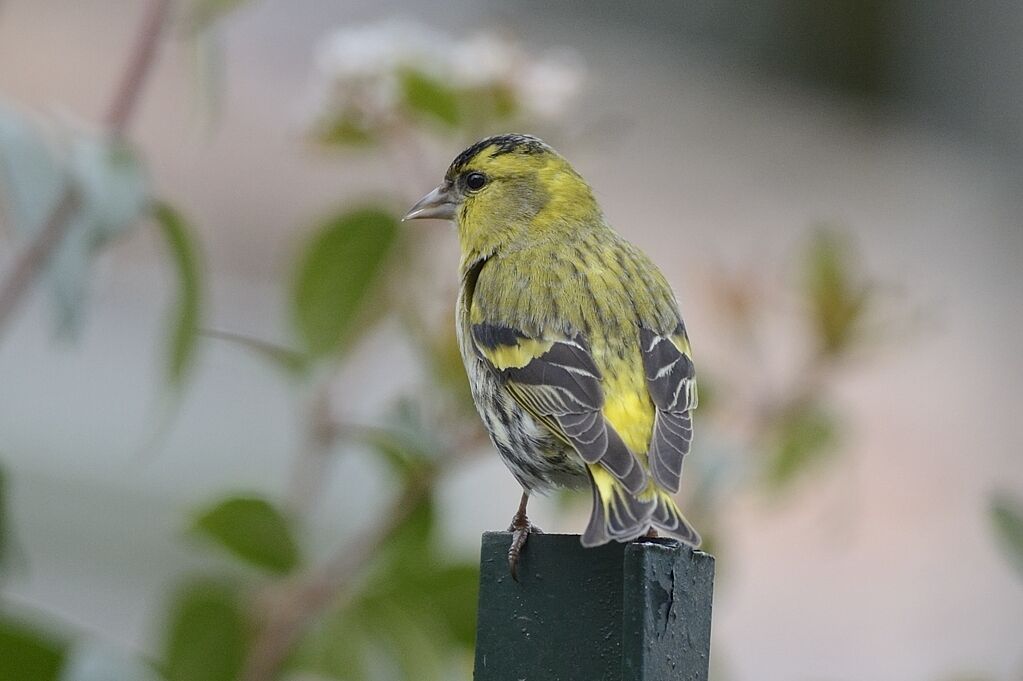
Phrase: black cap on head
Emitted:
{"points": [[503, 144]]}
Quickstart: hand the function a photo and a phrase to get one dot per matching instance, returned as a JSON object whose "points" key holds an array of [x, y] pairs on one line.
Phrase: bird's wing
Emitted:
{"points": [[556, 380], [671, 380]]}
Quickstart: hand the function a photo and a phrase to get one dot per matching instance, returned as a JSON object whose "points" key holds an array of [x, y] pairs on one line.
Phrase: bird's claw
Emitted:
{"points": [[520, 528]]}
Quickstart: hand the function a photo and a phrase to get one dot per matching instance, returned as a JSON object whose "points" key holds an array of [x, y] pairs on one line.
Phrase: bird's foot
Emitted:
{"points": [[520, 528], [651, 534]]}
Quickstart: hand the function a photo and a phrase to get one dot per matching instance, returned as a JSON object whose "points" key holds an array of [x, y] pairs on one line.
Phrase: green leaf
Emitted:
{"points": [[206, 635], [253, 530], [28, 655], [336, 274], [430, 97], [184, 322], [802, 437], [1007, 521]]}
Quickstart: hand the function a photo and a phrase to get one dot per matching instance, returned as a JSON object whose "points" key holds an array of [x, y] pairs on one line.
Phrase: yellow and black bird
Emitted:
{"points": [[576, 353]]}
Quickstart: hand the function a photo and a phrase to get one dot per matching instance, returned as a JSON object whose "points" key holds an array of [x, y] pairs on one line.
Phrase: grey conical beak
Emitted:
{"points": [[438, 205]]}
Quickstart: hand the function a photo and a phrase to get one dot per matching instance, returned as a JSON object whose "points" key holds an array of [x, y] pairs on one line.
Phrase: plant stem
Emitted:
{"points": [[30, 262]]}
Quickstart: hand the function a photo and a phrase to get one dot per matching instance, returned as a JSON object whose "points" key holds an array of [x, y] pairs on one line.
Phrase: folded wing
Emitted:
{"points": [[557, 382], [671, 380]]}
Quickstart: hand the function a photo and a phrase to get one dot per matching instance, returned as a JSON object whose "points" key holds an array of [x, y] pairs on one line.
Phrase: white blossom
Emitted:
{"points": [[547, 86], [360, 71]]}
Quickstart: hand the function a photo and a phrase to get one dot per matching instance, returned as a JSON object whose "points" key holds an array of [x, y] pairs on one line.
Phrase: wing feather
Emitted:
{"points": [[557, 381], [671, 380]]}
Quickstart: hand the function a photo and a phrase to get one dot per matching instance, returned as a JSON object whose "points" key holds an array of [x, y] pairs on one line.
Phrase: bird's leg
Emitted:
{"points": [[520, 528], [651, 534]]}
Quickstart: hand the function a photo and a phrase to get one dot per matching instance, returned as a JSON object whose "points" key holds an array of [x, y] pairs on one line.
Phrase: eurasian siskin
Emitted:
{"points": [[577, 355]]}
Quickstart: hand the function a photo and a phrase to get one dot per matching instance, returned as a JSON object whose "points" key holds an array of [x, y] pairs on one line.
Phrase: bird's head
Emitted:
{"points": [[508, 190]]}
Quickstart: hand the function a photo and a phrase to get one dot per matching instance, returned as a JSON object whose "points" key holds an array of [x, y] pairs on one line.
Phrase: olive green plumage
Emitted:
{"points": [[576, 352]]}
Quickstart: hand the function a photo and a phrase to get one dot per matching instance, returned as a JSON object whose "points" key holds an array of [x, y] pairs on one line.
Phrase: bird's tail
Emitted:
{"points": [[622, 516], [669, 519]]}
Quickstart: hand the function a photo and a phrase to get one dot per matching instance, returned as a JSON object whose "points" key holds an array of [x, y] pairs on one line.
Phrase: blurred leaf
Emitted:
{"points": [[1007, 521], [28, 655], [110, 196], [68, 272], [31, 178], [110, 188], [184, 325], [838, 302], [803, 436], [425, 95], [287, 360], [447, 592], [206, 635], [336, 274], [253, 530], [111, 184]]}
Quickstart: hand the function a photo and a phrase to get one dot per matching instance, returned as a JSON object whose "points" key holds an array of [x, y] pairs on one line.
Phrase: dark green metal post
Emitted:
{"points": [[621, 612]]}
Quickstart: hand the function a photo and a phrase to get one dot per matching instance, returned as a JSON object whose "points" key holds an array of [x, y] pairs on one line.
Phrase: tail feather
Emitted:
{"points": [[667, 518], [622, 516], [617, 513]]}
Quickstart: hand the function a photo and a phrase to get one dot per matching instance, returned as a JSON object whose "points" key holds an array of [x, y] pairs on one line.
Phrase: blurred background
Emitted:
{"points": [[235, 437]]}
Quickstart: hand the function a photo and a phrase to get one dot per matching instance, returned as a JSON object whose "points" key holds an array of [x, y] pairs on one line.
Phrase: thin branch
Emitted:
{"points": [[139, 67], [30, 262]]}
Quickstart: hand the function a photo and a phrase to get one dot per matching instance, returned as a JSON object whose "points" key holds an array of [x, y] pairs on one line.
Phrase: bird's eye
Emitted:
{"points": [[475, 181]]}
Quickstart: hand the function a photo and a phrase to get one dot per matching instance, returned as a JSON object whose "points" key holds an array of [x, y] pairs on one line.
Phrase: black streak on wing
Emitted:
{"points": [[564, 384], [492, 335], [668, 373]]}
